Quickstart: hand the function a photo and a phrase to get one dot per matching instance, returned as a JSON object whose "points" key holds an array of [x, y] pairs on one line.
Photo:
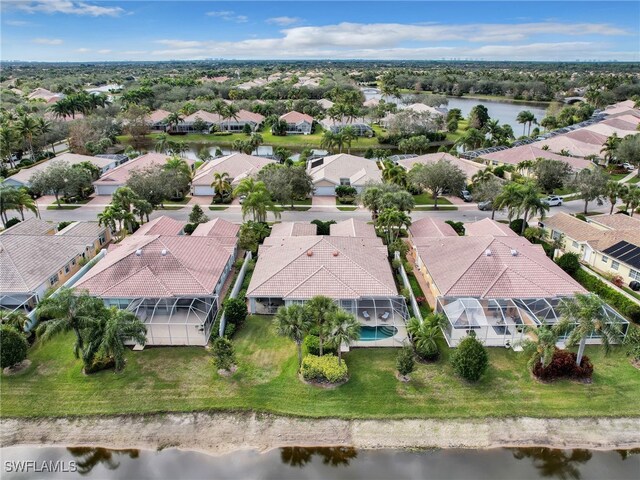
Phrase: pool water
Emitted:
{"points": [[368, 334]]}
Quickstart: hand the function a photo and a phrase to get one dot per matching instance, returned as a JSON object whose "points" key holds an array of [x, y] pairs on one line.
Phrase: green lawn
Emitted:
{"points": [[62, 207], [184, 379], [433, 209], [634, 180], [427, 199], [217, 207], [618, 176], [346, 208]]}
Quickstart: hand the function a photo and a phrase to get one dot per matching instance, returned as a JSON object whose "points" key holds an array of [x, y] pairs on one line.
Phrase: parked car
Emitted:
{"points": [[484, 206], [628, 167], [634, 285], [553, 201], [466, 195], [242, 197]]}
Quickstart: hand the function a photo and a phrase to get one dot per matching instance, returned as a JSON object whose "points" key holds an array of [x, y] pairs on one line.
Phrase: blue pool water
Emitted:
{"points": [[368, 334]]}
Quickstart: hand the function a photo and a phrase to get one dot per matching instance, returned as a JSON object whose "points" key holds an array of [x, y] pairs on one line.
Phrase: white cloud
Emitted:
{"points": [[18, 23], [69, 7], [83, 50], [283, 21], [229, 16], [104, 51], [47, 41]]}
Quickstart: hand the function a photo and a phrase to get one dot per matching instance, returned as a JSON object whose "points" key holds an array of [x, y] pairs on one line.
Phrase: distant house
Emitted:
{"points": [[532, 152], [343, 169], [117, 177], [45, 95], [104, 163], [414, 107], [372, 102], [359, 125], [492, 282], [225, 124], [172, 282], [564, 143], [236, 165], [325, 103], [156, 120], [35, 258], [298, 123], [469, 167], [601, 242]]}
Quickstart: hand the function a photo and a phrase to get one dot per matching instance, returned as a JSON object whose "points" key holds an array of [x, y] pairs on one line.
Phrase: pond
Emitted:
{"points": [[320, 463]]}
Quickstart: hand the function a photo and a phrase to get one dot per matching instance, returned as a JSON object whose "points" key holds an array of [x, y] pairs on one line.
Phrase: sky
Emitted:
{"points": [[69, 30]]}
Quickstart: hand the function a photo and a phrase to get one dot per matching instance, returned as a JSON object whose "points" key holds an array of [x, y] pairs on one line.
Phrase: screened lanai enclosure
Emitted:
{"points": [[502, 322], [173, 320]]}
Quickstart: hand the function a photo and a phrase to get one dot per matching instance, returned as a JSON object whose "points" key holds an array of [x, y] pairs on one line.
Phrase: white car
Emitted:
{"points": [[628, 167], [553, 201]]}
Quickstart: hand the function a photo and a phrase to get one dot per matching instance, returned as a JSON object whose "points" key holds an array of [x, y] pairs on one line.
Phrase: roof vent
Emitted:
{"points": [[335, 254], [514, 252], [309, 253], [139, 252], [487, 253], [163, 252]]}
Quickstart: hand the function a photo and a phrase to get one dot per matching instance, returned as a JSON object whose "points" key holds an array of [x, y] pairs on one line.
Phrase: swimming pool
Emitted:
{"points": [[368, 334]]}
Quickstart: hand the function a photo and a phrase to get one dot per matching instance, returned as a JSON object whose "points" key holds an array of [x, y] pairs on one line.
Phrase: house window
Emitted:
{"points": [[53, 279], [73, 262], [634, 275], [345, 181], [102, 239], [605, 259], [66, 268], [575, 244], [555, 235], [614, 265]]}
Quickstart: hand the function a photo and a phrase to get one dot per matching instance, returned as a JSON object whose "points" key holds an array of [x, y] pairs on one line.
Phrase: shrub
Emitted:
{"points": [[406, 293], [323, 369], [470, 360], [11, 222], [632, 311], [343, 191], [563, 365], [323, 227], [516, 225], [99, 364], [632, 341], [398, 246], [63, 225], [223, 354], [569, 262], [580, 216], [405, 364], [311, 346], [13, 346], [395, 263], [189, 228], [457, 226], [235, 310], [428, 353], [617, 281], [229, 330], [615, 299]]}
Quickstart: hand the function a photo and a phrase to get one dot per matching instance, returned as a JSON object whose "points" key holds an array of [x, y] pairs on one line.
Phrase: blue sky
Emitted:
{"points": [[69, 30]]}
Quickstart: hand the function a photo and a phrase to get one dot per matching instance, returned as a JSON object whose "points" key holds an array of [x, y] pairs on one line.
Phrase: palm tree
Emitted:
{"points": [[162, 143], [393, 173], [44, 129], [614, 191], [221, 183], [391, 221], [107, 336], [632, 198], [348, 136], [173, 119], [17, 319], [609, 147], [583, 316], [249, 185], [541, 347], [344, 329], [426, 334], [319, 309], [294, 323], [231, 112], [328, 141], [24, 201], [482, 176], [68, 310], [471, 139], [525, 117], [142, 209], [123, 198], [510, 198], [106, 218], [531, 203], [259, 203], [27, 127], [219, 108]]}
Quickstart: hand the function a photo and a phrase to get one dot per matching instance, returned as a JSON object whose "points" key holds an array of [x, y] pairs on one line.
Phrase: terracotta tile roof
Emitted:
{"points": [[430, 227], [83, 229], [120, 174], [623, 122], [246, 116], [204, 116], [157, 116], [573, 146], [616, 221], [161, 226], [225, 232], [467, 166], [294, 229], [25, 174], [237, 165], [167, 266], [534, 151], [587, 136], [358, 170], [608, 130], [573, 227], [325, 103], [597, 233], [352, 228], [486, 226], [296, 117], [494, 267], [339, 267], [31, 226]]}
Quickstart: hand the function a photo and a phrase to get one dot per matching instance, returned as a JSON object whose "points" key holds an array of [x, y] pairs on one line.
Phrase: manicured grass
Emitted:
{"points": [[618, 176], [62, 207], [433, 209], [417, 292], [631, 292], [634, 180], [500, 98], [216, 207], [185, 379], [346, 208], [427, 199], [171, 207], [182, 201]]}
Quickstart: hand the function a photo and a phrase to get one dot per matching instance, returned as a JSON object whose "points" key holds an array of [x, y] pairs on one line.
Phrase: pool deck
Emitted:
{"points": [[398, 340]]}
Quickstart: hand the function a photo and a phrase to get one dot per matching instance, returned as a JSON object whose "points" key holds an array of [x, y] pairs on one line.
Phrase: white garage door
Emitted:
{"points": [[106, 189], [325, 191], [203, 190]]}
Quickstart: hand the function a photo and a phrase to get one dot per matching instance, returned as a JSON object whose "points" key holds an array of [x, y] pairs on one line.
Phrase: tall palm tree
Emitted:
{"points": [[107, 336], [162, 143], [24, 201], [344, 329], [44, 128], [27, 127], [395, 174], [231, 112], [531, 203], [249, 185], [8, 201], [219, 108], [173, 119], [259, 203], [609, 147], [632, 198], [391, 221], [8, 143], [471, 139], [67, 311], [510, 198], [123, 198], [142, 209], [614, 191], [294, 323], [482, 176], [348, 136], [526, 117], [583, 316], [328, 141], [319, 309], [221, 183]]}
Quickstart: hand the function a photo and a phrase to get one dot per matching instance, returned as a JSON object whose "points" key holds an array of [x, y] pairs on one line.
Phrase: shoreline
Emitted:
{"points": [[222, 433]]}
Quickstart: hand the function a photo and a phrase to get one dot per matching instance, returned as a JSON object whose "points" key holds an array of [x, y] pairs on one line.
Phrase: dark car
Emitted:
{"points": [[634, 285], [466, 195]]}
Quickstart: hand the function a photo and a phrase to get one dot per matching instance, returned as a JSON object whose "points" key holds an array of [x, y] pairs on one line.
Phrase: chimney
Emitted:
{"points": [[487, 253], [139, 252]]}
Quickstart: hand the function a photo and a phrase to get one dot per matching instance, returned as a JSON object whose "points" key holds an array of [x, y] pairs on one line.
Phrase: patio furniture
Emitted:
{"points": [[384, 315], [365, 315]]}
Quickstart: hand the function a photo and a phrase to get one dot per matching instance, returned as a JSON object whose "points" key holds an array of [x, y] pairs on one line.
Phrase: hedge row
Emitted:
{"points": [[615, 299]]}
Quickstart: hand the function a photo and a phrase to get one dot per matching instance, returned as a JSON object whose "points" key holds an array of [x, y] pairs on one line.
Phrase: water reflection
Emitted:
{"points": [[89, 457], [562, 464], [333, 456]]}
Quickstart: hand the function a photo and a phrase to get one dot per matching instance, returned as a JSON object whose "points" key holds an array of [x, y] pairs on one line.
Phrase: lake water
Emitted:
{"points": [[323, 463]]}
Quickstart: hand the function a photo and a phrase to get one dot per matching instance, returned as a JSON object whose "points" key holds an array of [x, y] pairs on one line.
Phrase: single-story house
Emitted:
{"points": [[567, 144], [156, 120], [532, 152], [359, 125], [23, 177], [469, 167], [108, 183], [486, 226], [161, 226], [237, 165], [353, 271], [352, 228], [294, 229], [342, 169], [35, 257], [595, 240], [494, 285], [230, 124], [428, 227], [298, 123], [587, 136], [613, 126], [325, 103], [173, 283]]}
